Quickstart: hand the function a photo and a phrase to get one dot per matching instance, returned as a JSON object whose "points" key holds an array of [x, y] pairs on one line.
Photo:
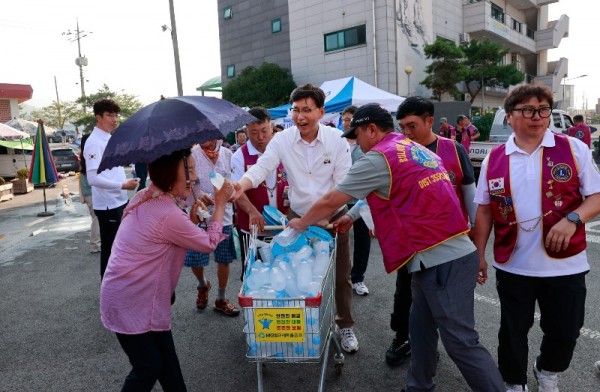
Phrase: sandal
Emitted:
{"points": [[202, 299], [227, 308]]}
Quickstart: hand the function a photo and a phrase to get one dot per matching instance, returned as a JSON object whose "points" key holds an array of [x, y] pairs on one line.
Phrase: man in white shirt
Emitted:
{"points": [[109, 188], [536, 191], [273, 191], [316, 158]]}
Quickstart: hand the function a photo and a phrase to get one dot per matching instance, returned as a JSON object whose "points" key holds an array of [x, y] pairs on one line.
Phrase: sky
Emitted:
{"points": [[127, 49]]}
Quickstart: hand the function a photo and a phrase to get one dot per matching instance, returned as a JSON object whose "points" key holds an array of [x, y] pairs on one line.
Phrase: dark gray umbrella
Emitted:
{"points": [[169, 125]]}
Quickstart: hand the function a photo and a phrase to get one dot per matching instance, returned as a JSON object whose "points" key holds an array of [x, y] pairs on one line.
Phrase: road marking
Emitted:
{"points": [[35, 222], [588, 333]]}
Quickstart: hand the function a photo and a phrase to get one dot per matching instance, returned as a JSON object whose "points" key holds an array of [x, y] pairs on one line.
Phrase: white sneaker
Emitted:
{"points": [[360, 288], [348, 340], [516, 388], [548, 381]]}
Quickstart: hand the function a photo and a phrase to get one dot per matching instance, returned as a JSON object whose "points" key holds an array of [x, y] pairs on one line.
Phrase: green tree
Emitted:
{"points": [[446, 70], [268, 85], [484, 61], [56, 115], [128, 103]]}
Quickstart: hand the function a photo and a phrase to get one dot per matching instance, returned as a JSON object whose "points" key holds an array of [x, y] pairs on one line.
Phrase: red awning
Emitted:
{"points": [[22, 92]]}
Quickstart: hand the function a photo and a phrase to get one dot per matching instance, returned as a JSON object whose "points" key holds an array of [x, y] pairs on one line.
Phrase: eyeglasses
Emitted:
{"points": [[530, 111], [347, 119]]}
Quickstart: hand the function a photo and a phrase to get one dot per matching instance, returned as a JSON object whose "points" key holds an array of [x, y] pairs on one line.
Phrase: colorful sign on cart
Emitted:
{"points": [[279, 324]]}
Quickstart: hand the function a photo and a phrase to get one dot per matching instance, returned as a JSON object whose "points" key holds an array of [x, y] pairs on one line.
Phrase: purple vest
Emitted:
{"points": [[422, 209], [560, 195], [258, 196], [448, 131], [446, 149]]}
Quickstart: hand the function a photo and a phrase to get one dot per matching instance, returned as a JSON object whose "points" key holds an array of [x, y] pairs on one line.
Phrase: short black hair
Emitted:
{"points": [[308, 91], [163, 171], [241, 130], [260, 113], [526, 91], [350, 109], [105, 105], [415, 106], [578, 118]]}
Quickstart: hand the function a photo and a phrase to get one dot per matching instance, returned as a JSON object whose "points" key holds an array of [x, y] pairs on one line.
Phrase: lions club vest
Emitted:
{"points": [[258, 196], [422, 209], [560, 195], [446, 149]]}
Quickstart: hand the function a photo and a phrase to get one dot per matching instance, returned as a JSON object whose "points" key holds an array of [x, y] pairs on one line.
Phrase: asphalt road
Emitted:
{"points": [[51, 338]]}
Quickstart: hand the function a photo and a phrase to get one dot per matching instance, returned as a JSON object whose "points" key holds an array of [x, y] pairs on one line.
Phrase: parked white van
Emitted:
{"points": [[12, 159], [560, 122]]}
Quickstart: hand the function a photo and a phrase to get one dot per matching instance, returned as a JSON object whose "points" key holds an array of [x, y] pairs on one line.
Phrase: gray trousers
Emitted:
{"points": [[443, 299]]}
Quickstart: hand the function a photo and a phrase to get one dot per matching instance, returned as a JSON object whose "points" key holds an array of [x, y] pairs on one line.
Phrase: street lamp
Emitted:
{"points": [[173, 31], [408, 70], [564, 101]]}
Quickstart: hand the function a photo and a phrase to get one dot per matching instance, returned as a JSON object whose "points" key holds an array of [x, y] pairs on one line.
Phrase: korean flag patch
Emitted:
{"points": [[496, 185]]}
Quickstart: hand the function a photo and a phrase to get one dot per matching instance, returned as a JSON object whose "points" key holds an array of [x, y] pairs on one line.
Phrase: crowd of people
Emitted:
{"points": [[535, 192]]}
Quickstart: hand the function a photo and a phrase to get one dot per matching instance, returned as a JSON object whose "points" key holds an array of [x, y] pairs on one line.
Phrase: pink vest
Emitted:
{"points": [[465, 139], [422, 209], [258, 196], [560, 195], [448, 131], [446, 149], [581, 132]]}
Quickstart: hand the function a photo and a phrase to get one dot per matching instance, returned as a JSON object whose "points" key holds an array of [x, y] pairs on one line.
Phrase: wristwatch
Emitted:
{"points": [[574, 217]]}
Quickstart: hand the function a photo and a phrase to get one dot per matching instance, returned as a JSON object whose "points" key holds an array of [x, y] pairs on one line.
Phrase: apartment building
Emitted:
{"points": [[381, 41]]}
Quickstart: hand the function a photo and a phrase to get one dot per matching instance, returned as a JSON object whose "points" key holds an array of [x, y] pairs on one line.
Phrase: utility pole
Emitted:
{"points": [[60, 122], [173, 30], [80, 61]]}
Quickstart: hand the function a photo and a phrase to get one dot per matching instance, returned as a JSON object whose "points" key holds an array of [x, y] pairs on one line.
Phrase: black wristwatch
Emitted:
{"points": [[574, 217]]}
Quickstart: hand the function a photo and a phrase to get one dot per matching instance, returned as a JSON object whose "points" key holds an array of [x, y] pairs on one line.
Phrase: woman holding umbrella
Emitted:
{"points": [[145, 265]]}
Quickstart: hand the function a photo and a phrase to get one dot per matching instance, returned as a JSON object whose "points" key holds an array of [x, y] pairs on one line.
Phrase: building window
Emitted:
{"points": [[346, 38], [276, 25], [227, 13], [517, 26], [497, 13], [230, 71], [530, 33]]}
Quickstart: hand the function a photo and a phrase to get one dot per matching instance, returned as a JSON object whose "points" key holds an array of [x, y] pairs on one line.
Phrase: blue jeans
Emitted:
{"points": [[443, 299]]}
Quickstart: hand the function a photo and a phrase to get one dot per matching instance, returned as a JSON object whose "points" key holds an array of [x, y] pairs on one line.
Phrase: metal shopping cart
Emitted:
{"points": [[291, 330]]}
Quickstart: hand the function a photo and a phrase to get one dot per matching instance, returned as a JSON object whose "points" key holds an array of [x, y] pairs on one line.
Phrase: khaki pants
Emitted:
{"points": [[343, 285], [95, 228]]}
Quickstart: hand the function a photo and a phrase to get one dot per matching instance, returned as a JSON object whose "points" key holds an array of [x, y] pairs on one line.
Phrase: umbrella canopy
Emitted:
{"points": [[43, 170], [10, 133], [26, 126], [169, 125]]}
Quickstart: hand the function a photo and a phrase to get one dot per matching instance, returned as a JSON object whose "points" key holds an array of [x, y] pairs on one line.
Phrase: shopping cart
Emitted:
{"points": [[291, 330]]}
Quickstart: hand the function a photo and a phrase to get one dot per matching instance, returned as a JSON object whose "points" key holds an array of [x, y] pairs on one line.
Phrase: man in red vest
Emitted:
{"points": [[273, 191], [580, 130], [401, 181], [446, 130], [537, 190], [417, 115]]}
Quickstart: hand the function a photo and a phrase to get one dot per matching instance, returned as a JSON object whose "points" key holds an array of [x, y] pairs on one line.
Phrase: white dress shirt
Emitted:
{"points": [[106, 186], [529, 257], [313, 169], [238, 169]]}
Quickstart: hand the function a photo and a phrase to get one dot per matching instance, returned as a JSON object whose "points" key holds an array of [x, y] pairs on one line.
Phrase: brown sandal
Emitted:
{"points": [[227, 308], [202, 299]]}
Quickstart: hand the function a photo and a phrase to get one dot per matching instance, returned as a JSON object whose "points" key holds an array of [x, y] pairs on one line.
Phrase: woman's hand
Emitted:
{"points": [[223, 195], [198, 205]]}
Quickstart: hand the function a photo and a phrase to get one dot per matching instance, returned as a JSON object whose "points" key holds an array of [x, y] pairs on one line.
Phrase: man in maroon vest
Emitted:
{"points": [[401, 181], [273, 191], [580, 130], [536, 190], [417, 115]]}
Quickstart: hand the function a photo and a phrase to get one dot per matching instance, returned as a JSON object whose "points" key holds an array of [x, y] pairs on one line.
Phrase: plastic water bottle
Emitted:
{"points": [[303, 276], [216, 179], [314, 345], [287, 236], [312, 320], [365, 214], [321, 263], [277, 279], [253, 279]]}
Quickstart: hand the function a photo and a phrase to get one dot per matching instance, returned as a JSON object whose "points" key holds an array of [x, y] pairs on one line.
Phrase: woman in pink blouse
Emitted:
{"points": [[145, 264]]}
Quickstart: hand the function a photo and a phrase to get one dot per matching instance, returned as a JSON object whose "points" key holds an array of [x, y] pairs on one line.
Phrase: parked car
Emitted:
{"points": [[65, 158], [55, 137]]}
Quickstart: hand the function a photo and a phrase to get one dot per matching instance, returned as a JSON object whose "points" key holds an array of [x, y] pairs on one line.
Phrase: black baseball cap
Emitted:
{"points": [[367, 114]]}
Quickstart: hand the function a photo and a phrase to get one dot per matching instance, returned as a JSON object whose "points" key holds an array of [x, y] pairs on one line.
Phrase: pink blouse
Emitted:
{"points": [[146, 261]]}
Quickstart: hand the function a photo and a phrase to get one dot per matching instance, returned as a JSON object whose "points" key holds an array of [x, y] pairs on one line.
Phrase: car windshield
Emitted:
{"points": [[62, 153]]}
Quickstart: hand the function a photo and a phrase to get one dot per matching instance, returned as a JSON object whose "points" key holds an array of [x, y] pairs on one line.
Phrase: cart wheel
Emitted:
{"points": [[338, 368]]}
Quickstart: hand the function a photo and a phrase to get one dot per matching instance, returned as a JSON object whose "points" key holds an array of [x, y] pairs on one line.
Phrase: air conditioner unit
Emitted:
{"points": [[464, 38]]}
